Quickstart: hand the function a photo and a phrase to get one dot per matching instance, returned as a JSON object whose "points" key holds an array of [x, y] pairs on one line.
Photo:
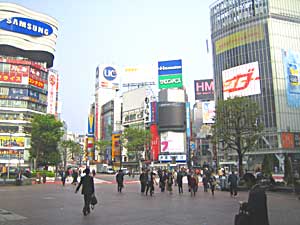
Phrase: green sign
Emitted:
{"points": [[170, 81]]}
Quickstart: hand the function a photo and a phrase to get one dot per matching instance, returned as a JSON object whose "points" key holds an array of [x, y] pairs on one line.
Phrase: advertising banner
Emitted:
{"points": [[291, 63], [115, 149], [11, 156], [107, 77], [188, 127], [155, 143], [170, 67], [204, 89], [153, 112], [168, 158], [170, 81], [287, 140], [11, 141], [172, 142], [241, 81], [208, 110], [10, 78], [52, 90]]}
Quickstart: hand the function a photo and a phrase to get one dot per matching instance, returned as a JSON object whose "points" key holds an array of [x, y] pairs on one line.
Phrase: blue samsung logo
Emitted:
{"points": [[109, 73], [26, 26]]}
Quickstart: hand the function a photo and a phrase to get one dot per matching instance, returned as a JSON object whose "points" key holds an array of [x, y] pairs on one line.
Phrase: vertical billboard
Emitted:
{"points": [[204, 89], [291, 64], [115, 146], [170, 74], [172, 142], [208, 110], [52, 92], [241, 81], [155, 143]]}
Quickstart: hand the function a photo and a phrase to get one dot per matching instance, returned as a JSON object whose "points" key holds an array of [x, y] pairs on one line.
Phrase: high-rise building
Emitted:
{"points": [[256, 53], [27, 87]]}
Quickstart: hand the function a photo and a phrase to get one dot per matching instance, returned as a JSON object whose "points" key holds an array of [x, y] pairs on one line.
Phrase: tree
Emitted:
{"points": [[45, 135], [135, 140], [101, 146], [268, 164], [236, 126], [69, 147]]}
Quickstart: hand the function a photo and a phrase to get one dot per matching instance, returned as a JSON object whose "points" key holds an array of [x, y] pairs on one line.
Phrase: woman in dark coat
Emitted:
{"points": [[257, 206]]}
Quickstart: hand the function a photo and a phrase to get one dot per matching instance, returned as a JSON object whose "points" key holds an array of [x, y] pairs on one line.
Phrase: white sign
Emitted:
{"points": [[52, 90], [241, 80], [208, 111], [172, 142], [168, 158]]}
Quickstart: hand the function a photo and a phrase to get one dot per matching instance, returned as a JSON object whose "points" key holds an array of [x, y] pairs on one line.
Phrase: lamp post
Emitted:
{"points": [[9, 152]]}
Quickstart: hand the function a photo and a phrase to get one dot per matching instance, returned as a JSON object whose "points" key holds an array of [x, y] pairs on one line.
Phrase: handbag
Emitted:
{"points": [[243, 217], [94, 201]]}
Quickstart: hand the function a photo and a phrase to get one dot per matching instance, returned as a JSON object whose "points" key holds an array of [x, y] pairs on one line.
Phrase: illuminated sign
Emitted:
{"points": [[240, 38], [242, 80], [208, 111], [52, 92], [172, 142], [26, 26], [170, 67], [291, 65], [168, 158], [204, 89], [109, 73], [171, 81]]}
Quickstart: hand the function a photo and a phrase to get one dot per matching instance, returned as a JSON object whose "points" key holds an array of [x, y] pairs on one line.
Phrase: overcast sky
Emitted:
{"points": [[122, 32]]}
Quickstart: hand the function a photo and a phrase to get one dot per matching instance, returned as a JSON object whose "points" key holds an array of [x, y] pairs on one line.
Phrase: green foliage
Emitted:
{"points": [[288, 175], [268, 164], [45, 136], [42, 173], [71, 148], [101, 146], [135, 139], [236, 126]]}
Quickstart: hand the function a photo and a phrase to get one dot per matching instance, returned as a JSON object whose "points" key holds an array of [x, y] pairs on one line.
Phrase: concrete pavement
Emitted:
{"points": [[46, 204]]}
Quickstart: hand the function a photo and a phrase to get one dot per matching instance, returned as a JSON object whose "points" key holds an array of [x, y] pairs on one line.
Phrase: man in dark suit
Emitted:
{"points": [[88, 190]]}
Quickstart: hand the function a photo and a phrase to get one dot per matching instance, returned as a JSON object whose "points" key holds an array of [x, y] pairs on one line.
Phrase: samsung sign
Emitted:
{"points": [[26, 26], [170, 67]]}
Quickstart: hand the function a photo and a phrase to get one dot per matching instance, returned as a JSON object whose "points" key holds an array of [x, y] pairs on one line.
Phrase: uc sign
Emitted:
{"points": [[109, 73], [26, 26]]}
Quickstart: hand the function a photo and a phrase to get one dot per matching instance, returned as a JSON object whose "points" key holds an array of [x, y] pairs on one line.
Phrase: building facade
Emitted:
{"points": [[27, 46], [256, 49]]}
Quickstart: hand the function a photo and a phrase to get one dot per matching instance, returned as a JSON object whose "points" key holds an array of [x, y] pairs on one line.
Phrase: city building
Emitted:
{"points": [[256, 51], [27, 86]]}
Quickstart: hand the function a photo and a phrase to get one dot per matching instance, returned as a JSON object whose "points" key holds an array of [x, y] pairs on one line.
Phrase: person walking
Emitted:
{"points": [[194, 184], [233, 181], [150, 182], [205, 182], [257, 206], [212, 183], [120, 180], [162, 181], [88, 190], [143, 181], [63, 177], [75, 177], [180, 176], [170, 179]]}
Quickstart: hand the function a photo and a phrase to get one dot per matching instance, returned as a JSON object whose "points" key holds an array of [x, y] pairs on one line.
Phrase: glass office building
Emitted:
{"points": [[256, 53]]}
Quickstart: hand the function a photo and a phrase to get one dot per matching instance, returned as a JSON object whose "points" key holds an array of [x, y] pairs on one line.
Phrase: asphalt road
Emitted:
{"points": [[45, 204]]}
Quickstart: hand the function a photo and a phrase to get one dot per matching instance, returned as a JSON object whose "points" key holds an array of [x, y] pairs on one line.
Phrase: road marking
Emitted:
{"points": [[9, 216]]}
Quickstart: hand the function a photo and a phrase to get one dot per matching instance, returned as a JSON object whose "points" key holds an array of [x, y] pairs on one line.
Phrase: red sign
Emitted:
{"points": [[287, 140], [155, 142], [11, 78]]}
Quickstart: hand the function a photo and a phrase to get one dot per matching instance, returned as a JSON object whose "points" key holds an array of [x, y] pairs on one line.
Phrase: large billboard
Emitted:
{"points": [[172, 116], [155, 143], [204, 89], [172, 142], [170, 74], [243, 80], [107, 77], [291, 63], [138, 74], [208, 110]]}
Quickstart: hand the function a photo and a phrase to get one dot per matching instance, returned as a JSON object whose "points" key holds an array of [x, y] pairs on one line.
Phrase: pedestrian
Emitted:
{"points": [[170, 179], [88, 190], [194, 184], [189, 175], [233, 181], [205, 182], [175, 177], [180, 176], [143, 181], [120, 180], [75, 177], [94, 172], [63, 177], [162, 181], [257, 206], [212, 183], [150, 182]]}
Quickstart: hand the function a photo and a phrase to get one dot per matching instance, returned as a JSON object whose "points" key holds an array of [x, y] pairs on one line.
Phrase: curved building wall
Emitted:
{"points": [[16, 42]]}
